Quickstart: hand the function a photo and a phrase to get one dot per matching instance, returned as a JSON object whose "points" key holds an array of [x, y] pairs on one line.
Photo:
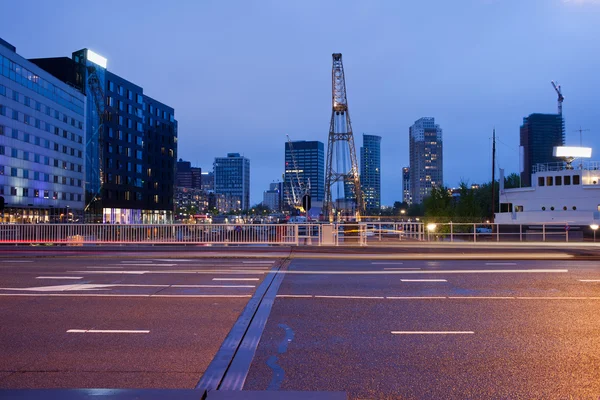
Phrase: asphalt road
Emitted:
{"points": [[503, 329], [374, 327], [133, 321]]}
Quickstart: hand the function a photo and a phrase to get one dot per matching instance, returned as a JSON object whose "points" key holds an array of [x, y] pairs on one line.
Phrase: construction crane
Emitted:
{"points": [[295, 184], [561, 98], [340, 147]]}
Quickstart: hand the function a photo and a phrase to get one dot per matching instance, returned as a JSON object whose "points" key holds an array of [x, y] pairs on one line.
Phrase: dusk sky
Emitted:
{"points": [[243, 74]]}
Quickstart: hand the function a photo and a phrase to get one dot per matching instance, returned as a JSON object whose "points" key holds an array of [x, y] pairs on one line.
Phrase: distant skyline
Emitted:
{"points": [[241, 75]]}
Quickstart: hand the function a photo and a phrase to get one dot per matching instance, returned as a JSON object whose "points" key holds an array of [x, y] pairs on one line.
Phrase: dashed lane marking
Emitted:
{"points": [[500, 263], [59, 277], [387, 263], [423, 280], [259, 262], [432, 332], [106, 331], [235, 279]]}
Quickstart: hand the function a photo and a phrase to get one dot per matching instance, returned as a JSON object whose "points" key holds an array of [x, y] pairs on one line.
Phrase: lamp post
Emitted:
{"points": [[594, 228], [430, 229]]}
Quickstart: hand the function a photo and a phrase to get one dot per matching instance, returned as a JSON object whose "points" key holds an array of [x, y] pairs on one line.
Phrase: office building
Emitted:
{"points": [[539, 134], [406, 196], [370, 171], [187, 176], [131, 143], [208, 181], [232, 179], [426, 158], [309, 169], [273, 197], [42, 131]]}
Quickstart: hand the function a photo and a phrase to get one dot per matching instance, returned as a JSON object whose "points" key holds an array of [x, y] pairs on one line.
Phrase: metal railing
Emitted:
{"points": [[344, 234], [79, 234]]}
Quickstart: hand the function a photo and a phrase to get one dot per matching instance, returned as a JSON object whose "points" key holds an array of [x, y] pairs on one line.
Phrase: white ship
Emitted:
{"points": [[561, 193]]}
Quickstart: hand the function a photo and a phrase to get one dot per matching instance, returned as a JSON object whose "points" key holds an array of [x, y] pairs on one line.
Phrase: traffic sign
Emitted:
{"points": [[306, 202]]}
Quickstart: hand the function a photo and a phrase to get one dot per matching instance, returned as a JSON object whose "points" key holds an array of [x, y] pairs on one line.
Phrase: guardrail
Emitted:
{"points": [[80, 234], [346, 234]]}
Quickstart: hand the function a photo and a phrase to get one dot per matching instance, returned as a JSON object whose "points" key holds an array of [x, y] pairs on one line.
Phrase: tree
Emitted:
{"points": [[512, 181], [438, 203]]}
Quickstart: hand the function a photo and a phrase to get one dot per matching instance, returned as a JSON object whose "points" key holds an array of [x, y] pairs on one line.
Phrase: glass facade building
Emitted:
{"points": [[42, 131], [310, 161], [187, 176], [131, 143], [426, 158], [370, 171], [539, 134], [232, 179], [406, 196]]}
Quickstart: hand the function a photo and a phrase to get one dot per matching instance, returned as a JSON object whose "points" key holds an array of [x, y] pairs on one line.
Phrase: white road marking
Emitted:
{"points": [[432, 332], [306, 296], [415, 297], [112, 272], [399, 269], [423, 280], [105, 267], [172, 260], [147, 265], [294, 296], [482, 297], [105, 331], [387, 263], [61, 288], [455, 271], [349, 297], [59, 277], [191, 271], [102, 286], [17, 261], [589, 280], [258, 262], [200, 296], [500, 263], [235, 279], [213, 286]]}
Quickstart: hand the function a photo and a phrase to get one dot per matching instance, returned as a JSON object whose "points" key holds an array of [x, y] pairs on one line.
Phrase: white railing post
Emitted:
{"points": [[543, 232], [474, 233], [520, 233]]}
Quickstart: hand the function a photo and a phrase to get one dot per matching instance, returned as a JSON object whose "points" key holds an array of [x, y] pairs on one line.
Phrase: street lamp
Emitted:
{"points": [[430, 229], [594, 228]]}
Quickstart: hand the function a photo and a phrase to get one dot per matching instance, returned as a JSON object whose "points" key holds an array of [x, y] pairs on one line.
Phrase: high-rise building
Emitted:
{"points": [[406, 196], [539, 134], [273, 197], [310, 163], [370, 171], [232, 179], [208, 181], [42, 150], [187, 176], [426, 158], [131, 143]]}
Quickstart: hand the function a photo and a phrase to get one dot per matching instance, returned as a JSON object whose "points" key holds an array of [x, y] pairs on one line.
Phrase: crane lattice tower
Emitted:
{"points": [[342, 166]]}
